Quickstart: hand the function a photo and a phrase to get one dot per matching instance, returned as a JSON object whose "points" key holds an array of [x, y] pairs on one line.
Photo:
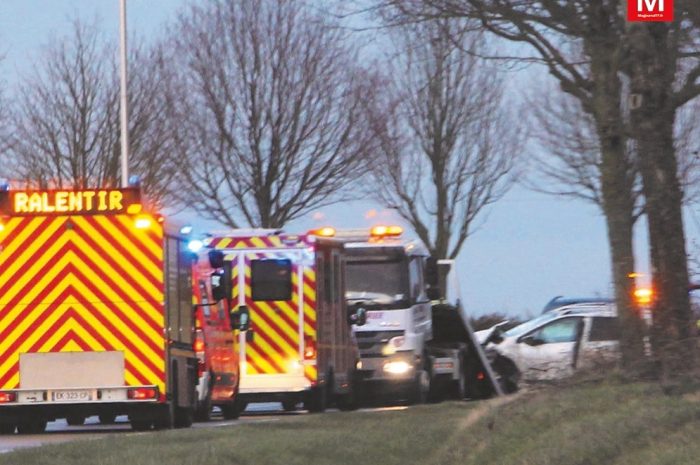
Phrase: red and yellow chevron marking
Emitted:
{"points": [[276, 323], [82, 283], [283, 241]]}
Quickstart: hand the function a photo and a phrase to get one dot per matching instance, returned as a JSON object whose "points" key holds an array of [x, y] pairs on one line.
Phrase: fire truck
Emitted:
{"points": [[217, 359], [96, 314], [299, 345]]}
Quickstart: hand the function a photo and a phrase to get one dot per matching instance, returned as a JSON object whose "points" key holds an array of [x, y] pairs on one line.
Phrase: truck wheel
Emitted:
{"points": [[508, 374], [203, 410], [349, 400], [420, 386], [33, 426], [316, 400], [75, 420], [233, 410], [184, 417], [289, 405], [461, 385], [7, 428], [107, 418]]}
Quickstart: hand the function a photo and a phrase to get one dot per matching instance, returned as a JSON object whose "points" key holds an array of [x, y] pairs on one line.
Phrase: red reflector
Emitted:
{"points": [[7, 397], [480, 376], [142, 393], [309, 348]]}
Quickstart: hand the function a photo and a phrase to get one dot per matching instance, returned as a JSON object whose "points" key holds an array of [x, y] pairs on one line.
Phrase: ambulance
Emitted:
{"points": [[96, 314], [299, 346]]}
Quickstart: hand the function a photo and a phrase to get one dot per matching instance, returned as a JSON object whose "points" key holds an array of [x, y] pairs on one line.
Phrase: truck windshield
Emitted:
{"points": [[379, 283]]}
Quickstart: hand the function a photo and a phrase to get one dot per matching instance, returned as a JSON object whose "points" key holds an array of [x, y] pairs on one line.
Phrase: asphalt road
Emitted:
{"points": [[59, 431]]}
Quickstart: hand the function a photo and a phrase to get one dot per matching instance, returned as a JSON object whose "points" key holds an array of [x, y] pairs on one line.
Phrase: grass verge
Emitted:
{"points": [[626, 424]]}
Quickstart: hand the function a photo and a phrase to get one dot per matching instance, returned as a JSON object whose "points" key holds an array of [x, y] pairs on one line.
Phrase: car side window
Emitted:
{"points": [[564, 330], [605, 329]]}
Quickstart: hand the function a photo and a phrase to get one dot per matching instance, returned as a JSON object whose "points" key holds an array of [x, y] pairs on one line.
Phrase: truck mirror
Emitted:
{"points": [[432, 277], [216, 258], [433, 293], [221, 286], [358, 318], [240, 319]]}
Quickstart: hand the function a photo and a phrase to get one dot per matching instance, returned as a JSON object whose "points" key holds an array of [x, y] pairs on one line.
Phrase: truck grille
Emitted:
{"points": [[371, 343]]}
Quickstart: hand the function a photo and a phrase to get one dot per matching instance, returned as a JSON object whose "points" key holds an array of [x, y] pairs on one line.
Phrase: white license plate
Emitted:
{"points": [[71, 396]]}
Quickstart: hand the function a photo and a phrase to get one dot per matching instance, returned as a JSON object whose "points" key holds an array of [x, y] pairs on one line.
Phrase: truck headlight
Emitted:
{"points": [[392, 345], [397, 368]]}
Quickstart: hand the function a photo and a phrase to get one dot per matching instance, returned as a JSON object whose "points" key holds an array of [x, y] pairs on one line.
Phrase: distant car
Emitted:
{"points": [[555, 344], [561, 301]]}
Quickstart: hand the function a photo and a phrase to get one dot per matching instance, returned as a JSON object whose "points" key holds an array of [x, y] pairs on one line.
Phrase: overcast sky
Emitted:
{"points": [[529, 248]]}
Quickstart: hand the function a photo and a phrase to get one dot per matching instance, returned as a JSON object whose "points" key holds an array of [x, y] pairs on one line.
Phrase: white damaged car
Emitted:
{"points": [[555, 344]]}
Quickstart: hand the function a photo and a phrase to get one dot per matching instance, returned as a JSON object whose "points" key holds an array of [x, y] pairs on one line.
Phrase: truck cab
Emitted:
{"points": [[385, 276]]}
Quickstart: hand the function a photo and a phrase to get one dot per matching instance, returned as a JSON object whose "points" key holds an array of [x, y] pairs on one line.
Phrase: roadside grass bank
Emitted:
{"points": [[608, 423]]}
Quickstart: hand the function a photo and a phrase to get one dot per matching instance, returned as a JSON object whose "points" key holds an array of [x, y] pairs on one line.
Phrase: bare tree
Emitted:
{"points": [[266, 98], [664, 70], [447, 149], [66, 123], [568, 157], [599, 31]]}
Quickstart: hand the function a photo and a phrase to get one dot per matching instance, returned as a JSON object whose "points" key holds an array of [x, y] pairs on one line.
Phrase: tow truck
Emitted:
{"points": [[418, 343]]}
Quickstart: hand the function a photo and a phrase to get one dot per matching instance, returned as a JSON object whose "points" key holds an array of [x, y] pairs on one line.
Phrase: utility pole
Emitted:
{"points": [[124, 110]]}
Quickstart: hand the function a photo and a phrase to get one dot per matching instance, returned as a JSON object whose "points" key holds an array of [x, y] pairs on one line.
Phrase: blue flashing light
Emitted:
{"points": [[134, 181], [185, 230], [195, 245], [4, 186]]}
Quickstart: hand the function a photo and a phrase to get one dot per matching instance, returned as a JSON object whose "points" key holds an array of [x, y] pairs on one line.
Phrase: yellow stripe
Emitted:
{"points": [[271, 314], [258, 243], [134, 295], [152, 268], [149, 265], [127, 222], [10, 269], [52, 317], [264, 365], [311, 372]]}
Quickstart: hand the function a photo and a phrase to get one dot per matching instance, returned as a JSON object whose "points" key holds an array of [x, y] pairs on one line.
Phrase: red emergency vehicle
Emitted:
{"points": [[217, 360], [299, 346]]}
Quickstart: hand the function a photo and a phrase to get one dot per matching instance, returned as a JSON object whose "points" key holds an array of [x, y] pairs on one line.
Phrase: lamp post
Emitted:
{"points": [[124, 117]]}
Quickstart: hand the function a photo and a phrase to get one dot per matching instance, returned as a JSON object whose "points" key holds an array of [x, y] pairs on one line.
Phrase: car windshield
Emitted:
{"points": [[377, 282], [532, 324]]}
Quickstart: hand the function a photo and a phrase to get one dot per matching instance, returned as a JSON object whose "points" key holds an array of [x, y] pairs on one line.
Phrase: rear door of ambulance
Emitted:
{"points": [[274, 286]]}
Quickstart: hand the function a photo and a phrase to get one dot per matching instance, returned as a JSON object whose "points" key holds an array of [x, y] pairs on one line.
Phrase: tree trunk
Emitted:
{"points": [[652, 68], [617, 195]]}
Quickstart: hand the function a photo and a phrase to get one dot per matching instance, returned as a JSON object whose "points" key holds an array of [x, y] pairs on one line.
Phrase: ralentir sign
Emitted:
{"points": [[57, 202]]}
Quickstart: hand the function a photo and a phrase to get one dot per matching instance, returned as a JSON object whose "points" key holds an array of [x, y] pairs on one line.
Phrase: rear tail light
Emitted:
{"points": [[6, 397], [198, 345], [142, 393], [480, 376], [201, 368], [309, 348]]}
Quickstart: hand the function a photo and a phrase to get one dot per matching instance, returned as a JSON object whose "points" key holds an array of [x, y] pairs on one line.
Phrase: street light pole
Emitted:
{"points": [[124, 117]]}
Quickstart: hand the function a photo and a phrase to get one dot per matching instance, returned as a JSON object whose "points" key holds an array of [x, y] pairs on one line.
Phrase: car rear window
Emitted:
{"points": [[605, 329]]}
